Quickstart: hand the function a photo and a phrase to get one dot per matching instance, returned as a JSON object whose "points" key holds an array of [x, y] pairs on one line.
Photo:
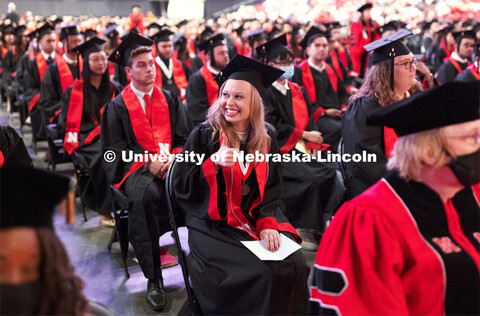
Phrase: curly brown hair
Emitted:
{"points": [[62, 293], [377, 85]]}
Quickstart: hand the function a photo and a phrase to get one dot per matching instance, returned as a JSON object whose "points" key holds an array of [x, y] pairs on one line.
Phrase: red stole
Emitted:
{"points": [[74, 119], [111, 68], [307, 80], [389, 139], [342, 54], [235, 216], [210, 84], [201, 55], [66, 77], [456, 65], [336, 64], [178, 76], [148, 134], [473, 69], [42, 67], [2, 159]]}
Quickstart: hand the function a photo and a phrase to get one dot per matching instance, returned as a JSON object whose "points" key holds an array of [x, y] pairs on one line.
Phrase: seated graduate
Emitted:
{"points": [[36, 276], [202, 89], [12, 149], [227, 201], [143, 118], [460, 58], [472, 72], [386, 82], [82, 105], [410, 245], [308, 186], [324, 86]]}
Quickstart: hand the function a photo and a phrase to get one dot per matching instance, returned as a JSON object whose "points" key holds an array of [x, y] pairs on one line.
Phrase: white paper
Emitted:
{"points": [[287, 247]]}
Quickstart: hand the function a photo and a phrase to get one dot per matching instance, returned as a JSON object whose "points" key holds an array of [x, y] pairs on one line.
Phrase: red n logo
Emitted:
{"points": [[446, 244]]}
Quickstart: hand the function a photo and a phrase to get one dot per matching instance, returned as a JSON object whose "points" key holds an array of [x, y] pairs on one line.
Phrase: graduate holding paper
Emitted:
{"points": [[230, 201]]}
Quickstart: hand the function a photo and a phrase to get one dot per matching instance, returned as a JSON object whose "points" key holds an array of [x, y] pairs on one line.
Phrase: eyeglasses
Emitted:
{"points": [[98, 59], [408, 64]]}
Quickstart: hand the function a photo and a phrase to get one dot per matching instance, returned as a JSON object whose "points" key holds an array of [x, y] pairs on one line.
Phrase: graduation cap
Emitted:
{"points": [[162, 36], [68, 30], [181, 23], [463, 34], [211, 42], [257, 35], [20, 30], [311, 35], [89, 33], [111, 31], [365, 7], [44, 30], [56, 21], [274, 32], [273, 48], [154, 26], [388, 48], [207, 32], [92, 45], [179, 39], [29, 197], [260, 75], [239, 29], [136, 6], [8, 29], [132, 41], [451, 103]]}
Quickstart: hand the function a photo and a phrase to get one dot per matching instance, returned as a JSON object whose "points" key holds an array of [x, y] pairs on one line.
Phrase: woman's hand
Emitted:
{"points": [[226, 154], [272, 239]]}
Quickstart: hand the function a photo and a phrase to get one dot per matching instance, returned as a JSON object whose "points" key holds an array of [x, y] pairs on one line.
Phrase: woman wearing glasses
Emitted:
{"points": [[385, 83], [82, 105], [228, 201]]}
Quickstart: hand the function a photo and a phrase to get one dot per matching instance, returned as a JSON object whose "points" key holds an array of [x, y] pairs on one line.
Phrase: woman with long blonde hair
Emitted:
{"points": [[228, 199], [383, 86]]}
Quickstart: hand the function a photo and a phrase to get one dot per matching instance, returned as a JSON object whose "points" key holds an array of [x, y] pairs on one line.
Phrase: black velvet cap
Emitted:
{"points": [[207, 32], [257, 35], [212, 42], [111, 31], [463, 34], [90, 46], [181, 23], [29, 196], [56, 21], [313, 32], [8, 29], [271, 49], [332, 25], [162, 36], [89, 33], [274, 33], [179, 39], [20, 29], [261, 76], [133, 40], [451, 103], [155, 26], [365, 7], [389, 47], [44, 30], [68, 30]]}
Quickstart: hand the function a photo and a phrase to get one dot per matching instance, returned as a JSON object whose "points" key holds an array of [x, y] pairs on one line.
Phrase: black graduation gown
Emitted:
{"points": [[148, 212], [196, 64], [197, 100], [169, 84], [465, 76], [120, 77], [309, 187], [359, 137], [226, 276], [447, 71], [13, 148], [20, 70], [8, 66], [328, 99], [434, 57], [51, 91], [95, 192]]}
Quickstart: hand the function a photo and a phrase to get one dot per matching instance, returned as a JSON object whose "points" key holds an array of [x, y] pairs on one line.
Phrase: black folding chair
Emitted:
{"points": [[58, 154], [343, 170], [174, 209], [120, 231]]}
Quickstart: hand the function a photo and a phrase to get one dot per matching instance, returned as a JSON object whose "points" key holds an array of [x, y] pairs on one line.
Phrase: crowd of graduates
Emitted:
{"points": [[83, 77]]}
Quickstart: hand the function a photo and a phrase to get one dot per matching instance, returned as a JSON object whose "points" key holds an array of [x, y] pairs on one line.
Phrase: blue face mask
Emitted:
{"points": [[289, 70]]}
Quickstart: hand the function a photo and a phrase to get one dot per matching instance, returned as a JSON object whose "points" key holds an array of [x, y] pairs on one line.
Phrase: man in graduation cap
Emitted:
{"points": [[202, 89], [171, 73], [59, 75], [199, 60], [460, 58], [228, 201], [255, 39], [363, 31], [443, 46], [472, 72], [324, 86], [308, 186], [337, 49], [144, 118], [7, 66], [35, 74], [410, 244]]}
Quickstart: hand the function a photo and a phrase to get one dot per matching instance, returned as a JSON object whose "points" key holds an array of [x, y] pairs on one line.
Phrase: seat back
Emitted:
{"points": [[344, 172], [55, 146]]}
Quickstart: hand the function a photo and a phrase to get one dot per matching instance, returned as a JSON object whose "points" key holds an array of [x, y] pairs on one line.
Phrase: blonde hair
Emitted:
{"points": [[410, 150], [258, 137], [377, 85]]}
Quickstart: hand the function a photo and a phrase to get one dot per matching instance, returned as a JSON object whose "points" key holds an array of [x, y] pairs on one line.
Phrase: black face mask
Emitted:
{"points": [[467, 168], [20, 299]]}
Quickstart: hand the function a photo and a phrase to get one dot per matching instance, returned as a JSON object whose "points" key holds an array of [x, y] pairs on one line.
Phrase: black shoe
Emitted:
{"points": [[156, 297]]}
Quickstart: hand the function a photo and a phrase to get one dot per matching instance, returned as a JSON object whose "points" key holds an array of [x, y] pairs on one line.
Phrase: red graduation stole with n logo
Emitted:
{"points": [[210, 84]]}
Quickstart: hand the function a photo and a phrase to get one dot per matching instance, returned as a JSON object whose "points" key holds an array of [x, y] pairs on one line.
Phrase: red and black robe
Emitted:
{"points": [[202, 92]]}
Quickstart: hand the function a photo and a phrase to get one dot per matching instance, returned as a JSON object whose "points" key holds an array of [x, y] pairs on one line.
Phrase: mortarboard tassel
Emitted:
{"points": [[392, 58]]}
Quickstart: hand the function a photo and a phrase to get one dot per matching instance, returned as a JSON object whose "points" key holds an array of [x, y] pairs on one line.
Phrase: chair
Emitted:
{"points": [[120, 231], [174, 208], [344, 172], [55, 147]]}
